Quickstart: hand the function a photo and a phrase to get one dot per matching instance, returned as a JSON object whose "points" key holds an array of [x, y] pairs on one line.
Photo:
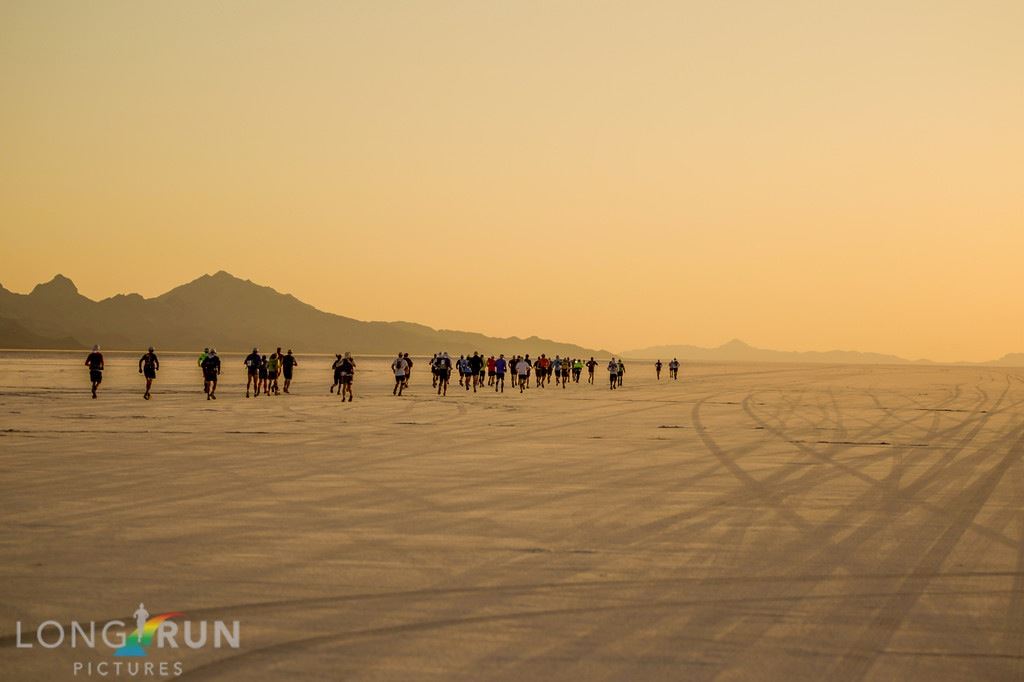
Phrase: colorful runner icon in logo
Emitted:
{"points": [[137, 642]]}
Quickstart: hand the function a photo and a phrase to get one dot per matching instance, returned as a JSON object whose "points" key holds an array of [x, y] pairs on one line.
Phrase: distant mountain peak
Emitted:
{"points": [[735, 344], [58, 286], [219, 276], [219, 280]]}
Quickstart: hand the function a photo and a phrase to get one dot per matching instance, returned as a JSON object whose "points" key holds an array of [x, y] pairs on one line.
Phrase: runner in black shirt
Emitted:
{"points": [[211, 369], [476, 363], [408, 370], [288, 365], [443, 367], [252, 369], [347, 371], [148, 366], [95, 364]]}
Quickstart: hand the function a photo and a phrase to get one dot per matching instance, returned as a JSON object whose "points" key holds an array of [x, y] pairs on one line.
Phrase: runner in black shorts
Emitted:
{"points": [[348, 372], [264, 385], [95, 363], [252, 364], [476, 364], [523, 372], [408, 370], [288, 365], [443, 366], [211, 370], [500, 367], [148, 366], [336, 367]]}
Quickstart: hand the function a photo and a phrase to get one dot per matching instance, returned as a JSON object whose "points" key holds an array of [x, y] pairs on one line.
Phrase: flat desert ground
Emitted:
{"points": [[748, 522]]}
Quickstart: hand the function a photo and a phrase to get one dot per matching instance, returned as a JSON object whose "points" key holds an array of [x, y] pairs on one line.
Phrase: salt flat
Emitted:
{"points": [[747, 522]]}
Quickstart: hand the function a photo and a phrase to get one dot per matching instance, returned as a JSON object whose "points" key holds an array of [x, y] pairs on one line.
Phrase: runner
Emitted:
{"points": [[211, 368], [577, 370], [433, 370], [541, 368], [95, 363], [622, 370], [566, 368], [476, 364], [613, 373], [491, 364], [556, 368], [500, 366], [288, 365], [483, 369], [347, 375], [280, 364], [591, 365], [657, 369], [202, 359], [512, 368], [399, 366], [148, 367], [336, 368], [264, 384], [443, 366], [673, 369], [252, 364], [460, 365], [408, 370], [273, 370], [523, 370]]}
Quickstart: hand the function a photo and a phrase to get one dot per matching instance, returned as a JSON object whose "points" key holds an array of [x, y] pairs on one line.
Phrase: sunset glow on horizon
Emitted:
{"points": [[800, 175]]}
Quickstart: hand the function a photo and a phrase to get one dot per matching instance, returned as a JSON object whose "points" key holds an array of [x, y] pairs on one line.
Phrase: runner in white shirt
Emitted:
{"points": [[399, 367], [523, 370], [613, 373]]}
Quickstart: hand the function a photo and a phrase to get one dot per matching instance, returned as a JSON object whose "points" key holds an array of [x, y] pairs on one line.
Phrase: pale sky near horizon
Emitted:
{"points": [[801, 175]]}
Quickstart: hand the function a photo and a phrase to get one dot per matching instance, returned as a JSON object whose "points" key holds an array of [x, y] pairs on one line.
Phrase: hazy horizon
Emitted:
{"points": [[799, 176], [668, 346]]}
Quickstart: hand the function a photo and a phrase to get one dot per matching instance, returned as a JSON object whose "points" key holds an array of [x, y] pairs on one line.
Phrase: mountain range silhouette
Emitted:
{"points": [[227, 313], [233, 314]]}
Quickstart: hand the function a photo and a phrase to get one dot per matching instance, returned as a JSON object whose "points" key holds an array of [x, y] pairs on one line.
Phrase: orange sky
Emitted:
{"points": [[802, 175]]}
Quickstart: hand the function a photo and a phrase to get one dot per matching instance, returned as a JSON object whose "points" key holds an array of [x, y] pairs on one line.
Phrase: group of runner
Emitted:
{"points": [[673, 369], [262, 372], [475, 371], [344, 369]]}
